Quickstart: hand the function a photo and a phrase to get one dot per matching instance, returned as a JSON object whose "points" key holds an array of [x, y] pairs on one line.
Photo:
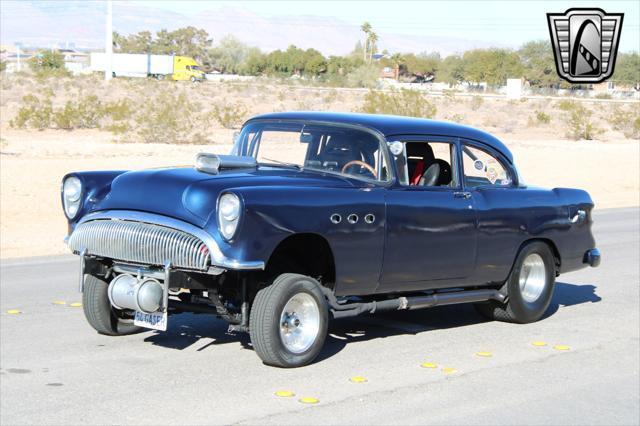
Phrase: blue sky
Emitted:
{"points": [[491, 21]]}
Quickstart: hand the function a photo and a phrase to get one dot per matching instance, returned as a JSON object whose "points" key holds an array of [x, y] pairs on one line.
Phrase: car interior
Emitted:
{"points": [[350, 152], [424, 169]]}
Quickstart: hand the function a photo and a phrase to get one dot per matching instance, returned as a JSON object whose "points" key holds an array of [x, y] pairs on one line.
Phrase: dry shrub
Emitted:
{"points": [[230, 116], [409, 103], [626, 121]]}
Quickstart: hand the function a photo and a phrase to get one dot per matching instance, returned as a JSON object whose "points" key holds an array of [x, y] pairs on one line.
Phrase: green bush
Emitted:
{"points": [[603, 96], [580, 125], [230, 116], [456, 118], [542, 117], [363, 76], [85, 114], [34, 114], [169, 118], [476, 102], [626, 121], [409, 103], [566, 105]]}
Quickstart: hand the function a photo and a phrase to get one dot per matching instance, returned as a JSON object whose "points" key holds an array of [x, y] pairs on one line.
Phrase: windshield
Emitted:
{"points": [[323, 147]]}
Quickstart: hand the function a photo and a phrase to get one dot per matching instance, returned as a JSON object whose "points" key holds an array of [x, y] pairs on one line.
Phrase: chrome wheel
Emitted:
{"points": [[533, 277], [299, 323]]}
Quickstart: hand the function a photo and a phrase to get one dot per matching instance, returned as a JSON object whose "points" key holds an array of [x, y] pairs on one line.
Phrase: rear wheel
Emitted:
{"points": [[529, 287], [288, 322], [103, 317]]}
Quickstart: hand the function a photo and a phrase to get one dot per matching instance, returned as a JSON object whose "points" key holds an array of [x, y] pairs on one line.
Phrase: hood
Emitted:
{"points": [[190, 195]]}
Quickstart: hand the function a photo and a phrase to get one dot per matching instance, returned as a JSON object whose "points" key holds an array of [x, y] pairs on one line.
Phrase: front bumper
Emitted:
{"points": [[592, 257], [152, 239]]}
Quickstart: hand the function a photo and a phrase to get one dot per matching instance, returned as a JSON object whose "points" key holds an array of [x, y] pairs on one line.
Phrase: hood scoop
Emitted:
{"points": [[213, 163]]}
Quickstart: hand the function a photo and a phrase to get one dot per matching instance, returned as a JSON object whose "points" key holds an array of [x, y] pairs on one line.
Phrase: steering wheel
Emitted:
{"points": [[361, 164]]}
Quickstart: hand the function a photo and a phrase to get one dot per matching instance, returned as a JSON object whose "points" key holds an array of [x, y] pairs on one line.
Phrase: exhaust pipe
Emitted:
{"points": [[140, 294], [411, 302]]}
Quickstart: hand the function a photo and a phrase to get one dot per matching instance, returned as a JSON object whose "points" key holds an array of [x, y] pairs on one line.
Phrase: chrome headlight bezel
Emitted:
{"points": [[72, 193], [229, 212]]}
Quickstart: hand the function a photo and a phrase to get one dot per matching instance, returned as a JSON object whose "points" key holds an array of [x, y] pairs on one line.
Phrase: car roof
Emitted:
{"points": [[390, 125]]}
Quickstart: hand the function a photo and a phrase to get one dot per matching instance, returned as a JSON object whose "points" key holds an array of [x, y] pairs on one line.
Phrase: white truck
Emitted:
{"points": [[146, 65]]}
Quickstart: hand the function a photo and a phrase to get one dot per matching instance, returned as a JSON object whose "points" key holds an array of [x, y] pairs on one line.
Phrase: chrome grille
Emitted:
{"points": [[140, 243]]}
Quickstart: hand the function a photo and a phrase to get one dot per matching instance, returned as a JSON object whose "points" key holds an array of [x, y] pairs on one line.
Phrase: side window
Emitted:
{"points": [[483, 169], [430, 164]]}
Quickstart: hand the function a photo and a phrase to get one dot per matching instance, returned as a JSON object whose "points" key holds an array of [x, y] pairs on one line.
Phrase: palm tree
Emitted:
{"points": [[366, 29], [373, 39]]}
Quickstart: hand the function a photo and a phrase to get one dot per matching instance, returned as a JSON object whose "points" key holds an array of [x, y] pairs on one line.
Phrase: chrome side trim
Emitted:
{"points": [[217, 257]]}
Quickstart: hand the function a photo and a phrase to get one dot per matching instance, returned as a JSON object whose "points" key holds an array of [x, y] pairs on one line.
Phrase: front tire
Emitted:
{"points": [[529, 287], [103, 317], [289, 320]]}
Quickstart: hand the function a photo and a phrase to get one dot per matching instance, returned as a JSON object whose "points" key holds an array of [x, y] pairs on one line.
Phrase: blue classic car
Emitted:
{"points": [[323, 215]]}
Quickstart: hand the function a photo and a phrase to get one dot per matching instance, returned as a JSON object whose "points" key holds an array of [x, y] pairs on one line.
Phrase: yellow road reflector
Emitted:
{"points": [[14, 311], [539, 343], [75, 305], [285, 393], [309, 400], [358, 379], [59, 302], [428, 365], [484, 354], [561, 347], [449, 370]]}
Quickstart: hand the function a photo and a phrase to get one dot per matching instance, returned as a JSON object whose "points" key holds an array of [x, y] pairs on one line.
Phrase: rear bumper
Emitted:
{"points": [[592, 257]]}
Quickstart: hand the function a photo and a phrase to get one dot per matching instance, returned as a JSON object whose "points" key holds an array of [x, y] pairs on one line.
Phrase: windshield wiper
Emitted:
{"points": [[284, 163]]}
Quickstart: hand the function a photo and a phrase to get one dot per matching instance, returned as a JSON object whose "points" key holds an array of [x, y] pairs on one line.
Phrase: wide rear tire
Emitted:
{"points": [[529, 287], [98, 310], [289, 320]]}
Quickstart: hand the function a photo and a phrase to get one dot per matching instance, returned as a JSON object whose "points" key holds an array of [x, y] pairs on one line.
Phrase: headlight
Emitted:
{"points": [[228, 214], [71, 196]]}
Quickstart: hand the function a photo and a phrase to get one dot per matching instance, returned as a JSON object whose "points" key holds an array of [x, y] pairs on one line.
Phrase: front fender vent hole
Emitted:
{"points": [[370, 218], [336, 218], [352, 218]]}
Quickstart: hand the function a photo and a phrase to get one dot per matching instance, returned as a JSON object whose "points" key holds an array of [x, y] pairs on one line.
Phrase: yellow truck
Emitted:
{"points": [[181, 68]]}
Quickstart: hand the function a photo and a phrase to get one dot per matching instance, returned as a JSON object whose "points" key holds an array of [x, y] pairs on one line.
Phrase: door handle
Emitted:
{"points": [[462, 194]]}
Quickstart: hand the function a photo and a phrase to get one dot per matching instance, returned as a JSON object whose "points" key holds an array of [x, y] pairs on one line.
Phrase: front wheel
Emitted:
{"points": [[289, 320], [103, 317], [529, 287]]}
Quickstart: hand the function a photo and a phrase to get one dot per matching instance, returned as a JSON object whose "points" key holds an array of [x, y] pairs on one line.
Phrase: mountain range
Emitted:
{"points": [[82, 24]]}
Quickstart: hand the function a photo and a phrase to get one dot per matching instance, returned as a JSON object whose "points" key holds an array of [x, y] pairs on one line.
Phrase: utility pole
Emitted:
{"points": [[108, 43]]}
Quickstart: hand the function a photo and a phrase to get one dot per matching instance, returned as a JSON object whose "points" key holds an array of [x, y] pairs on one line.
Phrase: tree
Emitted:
{"points": [[538, 63], [188, 41], [492, 66], [366, 29], [255, 62], [314, 62], [229, 55], [627, 69], [373, 44], [451, 70], [134, 43], [47, 60]]}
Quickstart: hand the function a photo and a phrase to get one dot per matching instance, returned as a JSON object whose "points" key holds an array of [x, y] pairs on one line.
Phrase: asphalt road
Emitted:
{"points": [[56, 370]]}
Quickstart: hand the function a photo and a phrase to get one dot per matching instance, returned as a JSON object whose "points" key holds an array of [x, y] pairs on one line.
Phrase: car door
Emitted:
{"points": [[431, 238], [501, 208]]}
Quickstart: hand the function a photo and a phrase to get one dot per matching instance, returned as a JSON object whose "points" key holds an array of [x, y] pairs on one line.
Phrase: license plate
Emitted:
{"points": [[155, 320]]}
